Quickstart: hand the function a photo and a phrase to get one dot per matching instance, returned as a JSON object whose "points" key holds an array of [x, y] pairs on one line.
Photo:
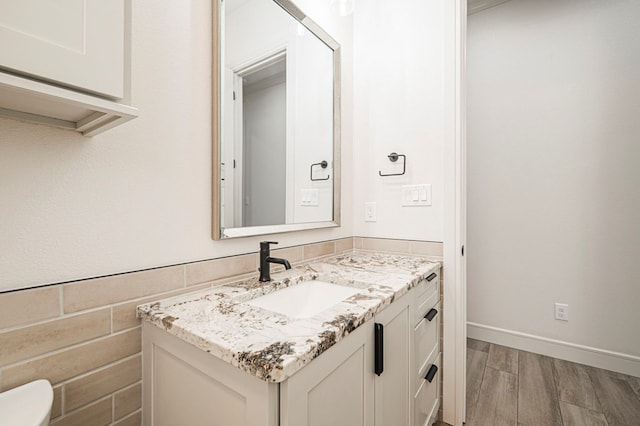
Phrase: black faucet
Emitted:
{"points": [[266, 259]]}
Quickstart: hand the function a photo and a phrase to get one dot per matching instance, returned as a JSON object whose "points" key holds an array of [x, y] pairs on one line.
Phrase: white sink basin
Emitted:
{"points": [[304, 300]]}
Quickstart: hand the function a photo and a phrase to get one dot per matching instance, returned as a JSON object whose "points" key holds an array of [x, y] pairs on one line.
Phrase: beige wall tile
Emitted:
{"points": [[56, 407], [227, 280], [27, 306], [127, 401], [98, 414], [311, 251], [292, 254], [344, 245], [94, 386], [426, 248], [134, 420], [105, 291], [124, 315], [381, 244], [357, 243], [211, 270], [27, 342], [73, 362]]}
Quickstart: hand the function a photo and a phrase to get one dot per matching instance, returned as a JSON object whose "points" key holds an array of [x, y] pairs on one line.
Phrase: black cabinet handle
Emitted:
{"points": [[379, 348], [431, 373], [432, 313], [432, 276]]}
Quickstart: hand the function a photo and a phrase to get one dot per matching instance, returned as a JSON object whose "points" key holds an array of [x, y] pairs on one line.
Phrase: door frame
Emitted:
{"points": [[455, 286]]}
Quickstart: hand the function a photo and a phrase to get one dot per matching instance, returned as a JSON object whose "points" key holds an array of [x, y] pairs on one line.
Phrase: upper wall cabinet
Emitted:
{"points": [[64, 63], [76, 43]]}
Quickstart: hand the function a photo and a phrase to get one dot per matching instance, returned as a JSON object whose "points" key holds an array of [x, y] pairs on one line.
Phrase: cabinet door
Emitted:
{"points": [[392, 386], [184, 385], [77, 43], [336, 388]]}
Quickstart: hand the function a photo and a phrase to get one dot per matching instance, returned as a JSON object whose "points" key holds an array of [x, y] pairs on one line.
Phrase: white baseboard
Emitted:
{"points": [[601, 358]]}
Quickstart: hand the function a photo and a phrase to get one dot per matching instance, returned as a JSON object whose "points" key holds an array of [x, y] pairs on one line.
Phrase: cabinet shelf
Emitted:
{"points": [[33, 101]]}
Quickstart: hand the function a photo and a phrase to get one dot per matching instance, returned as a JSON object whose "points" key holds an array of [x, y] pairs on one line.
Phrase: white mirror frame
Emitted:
{"points": [[218, 232]]}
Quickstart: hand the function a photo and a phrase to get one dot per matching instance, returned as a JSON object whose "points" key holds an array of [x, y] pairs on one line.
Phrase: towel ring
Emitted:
{"points": [[322, 164], [393, 157]]}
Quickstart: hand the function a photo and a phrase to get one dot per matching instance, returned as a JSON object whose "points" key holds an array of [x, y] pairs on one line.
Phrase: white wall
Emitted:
{"points": [[399, 107], [138, 196], [553, 176], [254, 31], [311, 111]]}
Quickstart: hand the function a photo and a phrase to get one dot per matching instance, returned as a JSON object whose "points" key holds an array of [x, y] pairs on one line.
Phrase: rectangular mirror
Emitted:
{"points": [[276, 131]]}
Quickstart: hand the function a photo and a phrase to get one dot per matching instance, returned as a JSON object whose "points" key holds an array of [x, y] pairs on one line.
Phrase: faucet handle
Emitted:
{"points": [[264, 245]]}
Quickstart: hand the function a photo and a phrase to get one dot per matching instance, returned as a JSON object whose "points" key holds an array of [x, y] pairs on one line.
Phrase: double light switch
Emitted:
{"points": [[309, 197], [416, 195]]}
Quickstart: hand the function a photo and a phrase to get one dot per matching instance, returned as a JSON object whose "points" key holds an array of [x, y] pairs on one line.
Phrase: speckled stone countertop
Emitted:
{"points": [[272, 346]]}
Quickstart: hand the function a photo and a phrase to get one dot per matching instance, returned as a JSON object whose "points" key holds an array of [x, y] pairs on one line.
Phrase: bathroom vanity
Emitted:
{"points": [[249, 353]]}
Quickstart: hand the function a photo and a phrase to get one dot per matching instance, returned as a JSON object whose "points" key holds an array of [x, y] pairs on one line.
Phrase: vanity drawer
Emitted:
{"points": [[427, 399], [426, 338], [427, 293]]}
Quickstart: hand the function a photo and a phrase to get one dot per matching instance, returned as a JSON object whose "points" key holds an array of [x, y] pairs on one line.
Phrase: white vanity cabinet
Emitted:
{"points": [[393, 384], [64, 63], [404, 395], [342, 387], [186, 385], [426, 355], [336, 388]]}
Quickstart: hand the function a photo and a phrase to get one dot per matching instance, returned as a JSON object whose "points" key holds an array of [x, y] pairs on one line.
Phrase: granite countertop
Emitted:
{"points": [[272, 346]]}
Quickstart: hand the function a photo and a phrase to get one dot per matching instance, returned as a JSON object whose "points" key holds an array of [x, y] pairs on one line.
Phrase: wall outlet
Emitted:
{"points": [[562, 311], [369, 212]]}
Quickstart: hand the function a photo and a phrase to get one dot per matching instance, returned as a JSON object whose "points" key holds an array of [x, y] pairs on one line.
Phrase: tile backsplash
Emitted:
{"points": [[85, 339]]}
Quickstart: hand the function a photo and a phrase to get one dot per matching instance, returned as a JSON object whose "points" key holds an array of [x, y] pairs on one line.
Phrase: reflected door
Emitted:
{"points": [[264, 151]]}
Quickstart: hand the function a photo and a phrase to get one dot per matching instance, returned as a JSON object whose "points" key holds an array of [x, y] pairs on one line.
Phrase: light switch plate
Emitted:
{"points": [[416, 195], [309, 197]]}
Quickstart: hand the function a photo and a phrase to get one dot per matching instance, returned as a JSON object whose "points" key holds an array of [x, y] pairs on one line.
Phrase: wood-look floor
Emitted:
{"points": [[507, 386]]}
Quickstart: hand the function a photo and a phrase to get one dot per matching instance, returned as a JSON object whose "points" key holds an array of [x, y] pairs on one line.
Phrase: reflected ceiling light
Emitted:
{"points": [[343, 7]]}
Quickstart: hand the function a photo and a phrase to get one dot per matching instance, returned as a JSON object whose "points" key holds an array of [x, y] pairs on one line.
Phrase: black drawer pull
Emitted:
{"points": [[432, 313], [431, 373], [432, 276], [378, 349]]}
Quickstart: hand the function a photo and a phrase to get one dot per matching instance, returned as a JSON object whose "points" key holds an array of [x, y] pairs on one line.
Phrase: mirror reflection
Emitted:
{"points": [[277, 117]]}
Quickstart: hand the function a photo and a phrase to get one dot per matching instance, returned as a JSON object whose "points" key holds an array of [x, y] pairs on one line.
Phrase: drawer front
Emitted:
{"points": [[426, 339], [427, 293], [427, 399]]}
